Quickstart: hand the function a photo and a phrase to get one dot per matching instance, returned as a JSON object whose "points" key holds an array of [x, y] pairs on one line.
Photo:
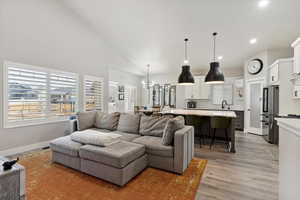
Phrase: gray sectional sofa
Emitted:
{"points": [[141, 145]]}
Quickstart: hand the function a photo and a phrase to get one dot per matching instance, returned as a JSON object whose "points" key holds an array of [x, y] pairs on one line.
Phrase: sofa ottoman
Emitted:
{"points": [[65, 151], [117, 163]]}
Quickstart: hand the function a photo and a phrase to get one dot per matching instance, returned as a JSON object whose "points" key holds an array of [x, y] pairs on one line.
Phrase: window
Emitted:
{"points": [[34, 95], [93, 93]]}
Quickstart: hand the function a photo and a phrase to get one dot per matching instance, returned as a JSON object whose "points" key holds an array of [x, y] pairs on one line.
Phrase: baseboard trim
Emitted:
{"points": [[22, 149]]}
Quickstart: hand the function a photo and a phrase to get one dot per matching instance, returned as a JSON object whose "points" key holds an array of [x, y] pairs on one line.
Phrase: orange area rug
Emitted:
{"points": [[50, 181]]}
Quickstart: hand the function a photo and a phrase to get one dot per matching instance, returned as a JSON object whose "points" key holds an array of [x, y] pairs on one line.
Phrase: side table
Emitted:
{"points": [[12, 182]]}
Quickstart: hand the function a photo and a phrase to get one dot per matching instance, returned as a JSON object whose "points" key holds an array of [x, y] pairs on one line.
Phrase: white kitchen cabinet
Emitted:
{"points": [[296, 92], [204, 89], [274, 74], [296, 46], [198, 91], [222, 92], [189, 92]]}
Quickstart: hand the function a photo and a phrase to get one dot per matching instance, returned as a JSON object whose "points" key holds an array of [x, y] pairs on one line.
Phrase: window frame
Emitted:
{"points": [[48, 119], [93, 78]]}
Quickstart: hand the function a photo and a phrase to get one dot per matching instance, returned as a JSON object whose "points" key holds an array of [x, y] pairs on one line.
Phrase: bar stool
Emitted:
{"points": [[219, 123], [197, 122]]}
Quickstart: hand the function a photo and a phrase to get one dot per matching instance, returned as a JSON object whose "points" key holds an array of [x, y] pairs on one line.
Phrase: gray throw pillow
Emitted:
{"points": [[129, 123], [172, 126], [153, 125], [86, 120], [107, 121]]}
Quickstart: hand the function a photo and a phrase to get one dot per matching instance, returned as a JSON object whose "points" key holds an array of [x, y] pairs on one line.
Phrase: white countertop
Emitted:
{"points": [[209, 113], [291, 124]]}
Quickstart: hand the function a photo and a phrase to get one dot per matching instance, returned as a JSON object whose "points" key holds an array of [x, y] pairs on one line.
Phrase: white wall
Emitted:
{"points": [[268, 57], [125, 78], [44, 33]]}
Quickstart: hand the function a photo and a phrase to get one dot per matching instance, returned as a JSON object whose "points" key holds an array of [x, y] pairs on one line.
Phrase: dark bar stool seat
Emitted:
{"points": [[219, 123], [197, 122]]}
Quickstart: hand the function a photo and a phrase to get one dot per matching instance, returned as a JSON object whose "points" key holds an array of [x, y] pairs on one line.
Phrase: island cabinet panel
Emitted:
{"points": [[239, 121]]}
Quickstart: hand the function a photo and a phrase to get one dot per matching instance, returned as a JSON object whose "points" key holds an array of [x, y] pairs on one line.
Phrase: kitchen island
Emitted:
{"points": [[289, 158], [209, 113]]}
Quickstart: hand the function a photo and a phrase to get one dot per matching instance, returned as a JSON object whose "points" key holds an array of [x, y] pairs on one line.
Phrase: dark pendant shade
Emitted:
{"points": [[186, 77], [215, 75]]}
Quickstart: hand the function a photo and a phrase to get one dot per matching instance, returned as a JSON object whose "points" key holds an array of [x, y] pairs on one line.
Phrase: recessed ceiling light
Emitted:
{"points": [[253, 41], [220, 57], [263, 3]]}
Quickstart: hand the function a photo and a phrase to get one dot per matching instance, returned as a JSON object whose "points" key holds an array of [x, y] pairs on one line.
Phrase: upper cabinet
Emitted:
{"points": [[199, 90], [222, 92], [204, 88], [296, 46], [274, 74]]}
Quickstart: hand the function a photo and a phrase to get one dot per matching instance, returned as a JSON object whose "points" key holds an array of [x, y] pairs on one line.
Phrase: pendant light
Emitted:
{"points": [[215, 75], [186, 77]]}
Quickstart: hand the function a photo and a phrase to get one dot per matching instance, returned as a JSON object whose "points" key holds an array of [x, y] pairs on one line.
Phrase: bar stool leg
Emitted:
{"points": [[213, 138]]}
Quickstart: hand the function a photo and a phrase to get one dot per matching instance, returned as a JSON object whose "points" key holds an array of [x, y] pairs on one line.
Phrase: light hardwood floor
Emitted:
{"points": [[250, 173]]}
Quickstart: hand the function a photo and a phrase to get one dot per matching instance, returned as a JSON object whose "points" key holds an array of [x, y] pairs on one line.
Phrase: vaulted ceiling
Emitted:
{"points": [[152, 31]]}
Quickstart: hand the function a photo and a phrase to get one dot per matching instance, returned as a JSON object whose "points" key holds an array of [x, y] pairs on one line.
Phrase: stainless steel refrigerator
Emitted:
{"points": [[270, 111]]}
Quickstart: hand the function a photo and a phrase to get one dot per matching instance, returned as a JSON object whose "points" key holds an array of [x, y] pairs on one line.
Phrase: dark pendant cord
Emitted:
{"points": [[185, 48], [214, 35]]}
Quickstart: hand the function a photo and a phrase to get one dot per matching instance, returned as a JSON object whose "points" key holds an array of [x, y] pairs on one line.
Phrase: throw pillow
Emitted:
{"points": [[169, 132], [86, 120], [129, 123], [107, 121], [153, 125]]}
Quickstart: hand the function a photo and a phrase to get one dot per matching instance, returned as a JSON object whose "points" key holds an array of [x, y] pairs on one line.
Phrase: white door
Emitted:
{"points": [[254, 92]]}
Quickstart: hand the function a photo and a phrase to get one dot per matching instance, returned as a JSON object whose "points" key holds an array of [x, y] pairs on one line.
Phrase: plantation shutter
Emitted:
{"points": [[93, 93], [35, 94], [27, 94], [63, 94]]}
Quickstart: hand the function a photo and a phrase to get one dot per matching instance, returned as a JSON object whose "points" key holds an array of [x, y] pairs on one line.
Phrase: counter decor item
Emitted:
{"points": [[7, 165]]}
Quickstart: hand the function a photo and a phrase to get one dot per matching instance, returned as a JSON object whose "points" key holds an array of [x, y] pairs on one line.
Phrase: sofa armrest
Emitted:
{"points": [[72, 126], [183, 148]]}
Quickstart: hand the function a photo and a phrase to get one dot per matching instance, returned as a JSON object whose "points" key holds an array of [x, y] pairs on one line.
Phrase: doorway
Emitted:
{"points": [[253, 107]]}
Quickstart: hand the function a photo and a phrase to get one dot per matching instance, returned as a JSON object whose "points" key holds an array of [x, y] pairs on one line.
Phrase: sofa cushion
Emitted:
{"points": [[172, 126], [66, 146], [107, 121], [154, 146], [95, 137], [117, 155], [153, 125], [86, 120], [127, 136], [129, 123]]}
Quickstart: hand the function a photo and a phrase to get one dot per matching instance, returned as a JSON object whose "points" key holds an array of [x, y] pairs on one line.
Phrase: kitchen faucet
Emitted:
{"points": [[224, 103]]}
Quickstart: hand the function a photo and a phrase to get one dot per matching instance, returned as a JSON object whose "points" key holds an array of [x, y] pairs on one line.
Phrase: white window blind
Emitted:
{"points": [[63, 94], [93, 93], [34, 94]]}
